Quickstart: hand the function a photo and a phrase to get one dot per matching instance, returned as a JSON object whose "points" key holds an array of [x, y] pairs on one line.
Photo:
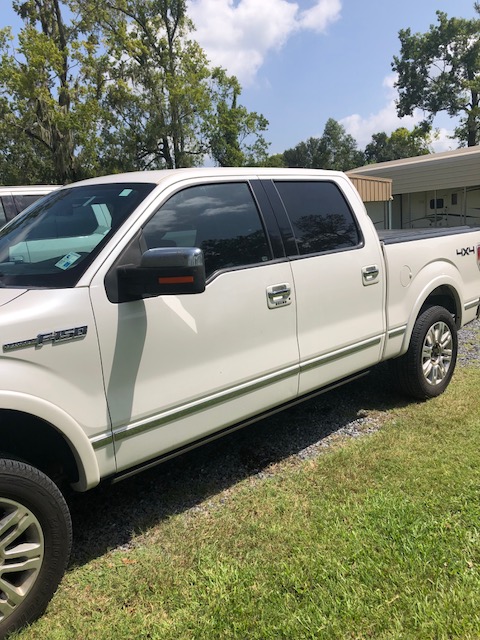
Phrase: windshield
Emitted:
{"points": [[53, 243]]}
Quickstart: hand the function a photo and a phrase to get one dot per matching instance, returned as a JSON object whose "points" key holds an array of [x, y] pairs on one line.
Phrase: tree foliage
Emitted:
{"points": [[99, 86], [440, 71], [402, 143], [49, 87], [234, 133], [306, 154], [275, 161], [335, 149], [160, 84]]}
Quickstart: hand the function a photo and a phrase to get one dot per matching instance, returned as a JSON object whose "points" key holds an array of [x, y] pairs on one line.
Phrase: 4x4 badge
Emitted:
{"points": [[465, 251], [75, 333]]}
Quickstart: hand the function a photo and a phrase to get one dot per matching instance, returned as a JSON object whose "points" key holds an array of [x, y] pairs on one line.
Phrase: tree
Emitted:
{"points": [[23, 160], [234, 134], [336, 150], [340, 148], [402, 143], [173, 108], [274, 161], [159, 94], [49, 93], [100, 86], [306, 154], [440, 71]]}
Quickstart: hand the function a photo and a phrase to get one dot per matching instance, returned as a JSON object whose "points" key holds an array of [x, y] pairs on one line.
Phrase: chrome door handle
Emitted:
{"points": [[279, 295], [370, 274]]}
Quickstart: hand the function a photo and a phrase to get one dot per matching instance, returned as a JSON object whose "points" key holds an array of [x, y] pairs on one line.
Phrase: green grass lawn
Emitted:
{"points": [[378, 537]]}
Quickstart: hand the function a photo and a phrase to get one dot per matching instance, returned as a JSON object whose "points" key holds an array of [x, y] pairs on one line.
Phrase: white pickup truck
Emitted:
{"points": [[144, 314]]}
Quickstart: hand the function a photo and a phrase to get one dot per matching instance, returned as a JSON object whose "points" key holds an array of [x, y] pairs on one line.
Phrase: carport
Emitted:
{"points": [[434, 190], [376, 193]]}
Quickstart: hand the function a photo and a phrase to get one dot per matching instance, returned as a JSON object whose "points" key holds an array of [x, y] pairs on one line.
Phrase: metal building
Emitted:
{"points": [[376, 193], [435, 190]]}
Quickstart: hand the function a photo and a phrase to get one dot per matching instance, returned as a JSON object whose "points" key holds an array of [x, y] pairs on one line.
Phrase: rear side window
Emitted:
{"points": [[221, 219], [3, 217], [320, 216], [9, 208], [24, 201]]}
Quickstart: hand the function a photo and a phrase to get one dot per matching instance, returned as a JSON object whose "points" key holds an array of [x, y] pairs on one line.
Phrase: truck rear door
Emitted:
{"points": [[339, 279]]}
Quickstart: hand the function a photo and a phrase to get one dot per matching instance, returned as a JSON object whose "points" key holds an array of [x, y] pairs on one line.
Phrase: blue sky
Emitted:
{"points": [[302, 62]]}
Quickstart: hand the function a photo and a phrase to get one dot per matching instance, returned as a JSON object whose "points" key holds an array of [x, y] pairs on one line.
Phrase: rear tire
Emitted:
{"points": [[35, 543], [427, 368]]}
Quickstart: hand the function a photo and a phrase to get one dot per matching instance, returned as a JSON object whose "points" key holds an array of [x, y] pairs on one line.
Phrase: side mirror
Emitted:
{"points": [[165, 271]]}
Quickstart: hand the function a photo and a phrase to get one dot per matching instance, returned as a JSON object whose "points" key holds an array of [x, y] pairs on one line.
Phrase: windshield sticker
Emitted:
{"points": [[125, 192], [67, 261]]}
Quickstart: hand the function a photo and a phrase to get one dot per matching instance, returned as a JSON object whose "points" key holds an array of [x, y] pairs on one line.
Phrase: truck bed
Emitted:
{"points": [[395, 236]]}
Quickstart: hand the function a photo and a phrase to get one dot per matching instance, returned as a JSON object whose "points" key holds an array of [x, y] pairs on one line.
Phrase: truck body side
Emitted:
{"points": [[346, 311]]}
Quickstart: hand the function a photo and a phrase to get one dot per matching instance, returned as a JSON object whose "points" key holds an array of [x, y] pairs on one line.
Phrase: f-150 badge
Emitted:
{"points": [[53, 337]]}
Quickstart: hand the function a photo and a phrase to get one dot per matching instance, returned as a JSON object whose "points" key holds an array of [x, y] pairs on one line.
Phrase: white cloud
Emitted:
{"points": [[238, 34], [386, 119], [318, 17], [443, 140], [363, 127]]}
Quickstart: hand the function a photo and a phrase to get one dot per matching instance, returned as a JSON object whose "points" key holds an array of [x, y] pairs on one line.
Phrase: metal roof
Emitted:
{"points": [[445, 170], [372, 189]]}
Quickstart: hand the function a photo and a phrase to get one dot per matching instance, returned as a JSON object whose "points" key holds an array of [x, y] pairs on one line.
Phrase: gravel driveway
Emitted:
{"points": [[109, 516]]}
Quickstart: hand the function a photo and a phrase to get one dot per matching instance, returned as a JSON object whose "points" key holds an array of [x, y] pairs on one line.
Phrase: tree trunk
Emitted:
{"points": [[472, 125]]}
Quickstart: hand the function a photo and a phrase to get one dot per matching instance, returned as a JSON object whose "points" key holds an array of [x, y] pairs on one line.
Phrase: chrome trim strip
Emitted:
{"points": [[340, 353], [202, 404], [103, 440], [153, 462], [399, 331], [470, 305]]}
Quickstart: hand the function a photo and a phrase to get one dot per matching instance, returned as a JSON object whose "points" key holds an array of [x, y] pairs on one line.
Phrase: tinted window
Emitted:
{"points": [[221, 219], [3, 217], [9, 207], [23, 201], [320, 216]]}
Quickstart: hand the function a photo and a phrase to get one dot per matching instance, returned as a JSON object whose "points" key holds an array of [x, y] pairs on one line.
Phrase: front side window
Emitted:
{"points": [[320, 216], [52, 243], [221, 219]]}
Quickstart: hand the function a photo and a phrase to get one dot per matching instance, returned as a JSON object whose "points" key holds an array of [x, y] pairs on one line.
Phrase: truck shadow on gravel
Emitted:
{"points": [[109, 516]]}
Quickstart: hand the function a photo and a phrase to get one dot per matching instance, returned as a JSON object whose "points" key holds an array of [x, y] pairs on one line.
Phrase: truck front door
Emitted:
{"points": [[179, 368]]}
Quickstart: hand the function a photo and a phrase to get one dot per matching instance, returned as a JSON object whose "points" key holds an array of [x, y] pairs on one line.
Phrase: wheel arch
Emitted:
{"points": [[443, 295], [47, 438]]}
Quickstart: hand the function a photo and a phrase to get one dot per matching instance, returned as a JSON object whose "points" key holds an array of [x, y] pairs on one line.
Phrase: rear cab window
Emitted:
{"points": [[321, 218]]}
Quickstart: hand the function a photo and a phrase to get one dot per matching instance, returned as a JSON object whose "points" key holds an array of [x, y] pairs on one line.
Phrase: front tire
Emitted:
{"points": [[35, 543], [427, 368]]}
